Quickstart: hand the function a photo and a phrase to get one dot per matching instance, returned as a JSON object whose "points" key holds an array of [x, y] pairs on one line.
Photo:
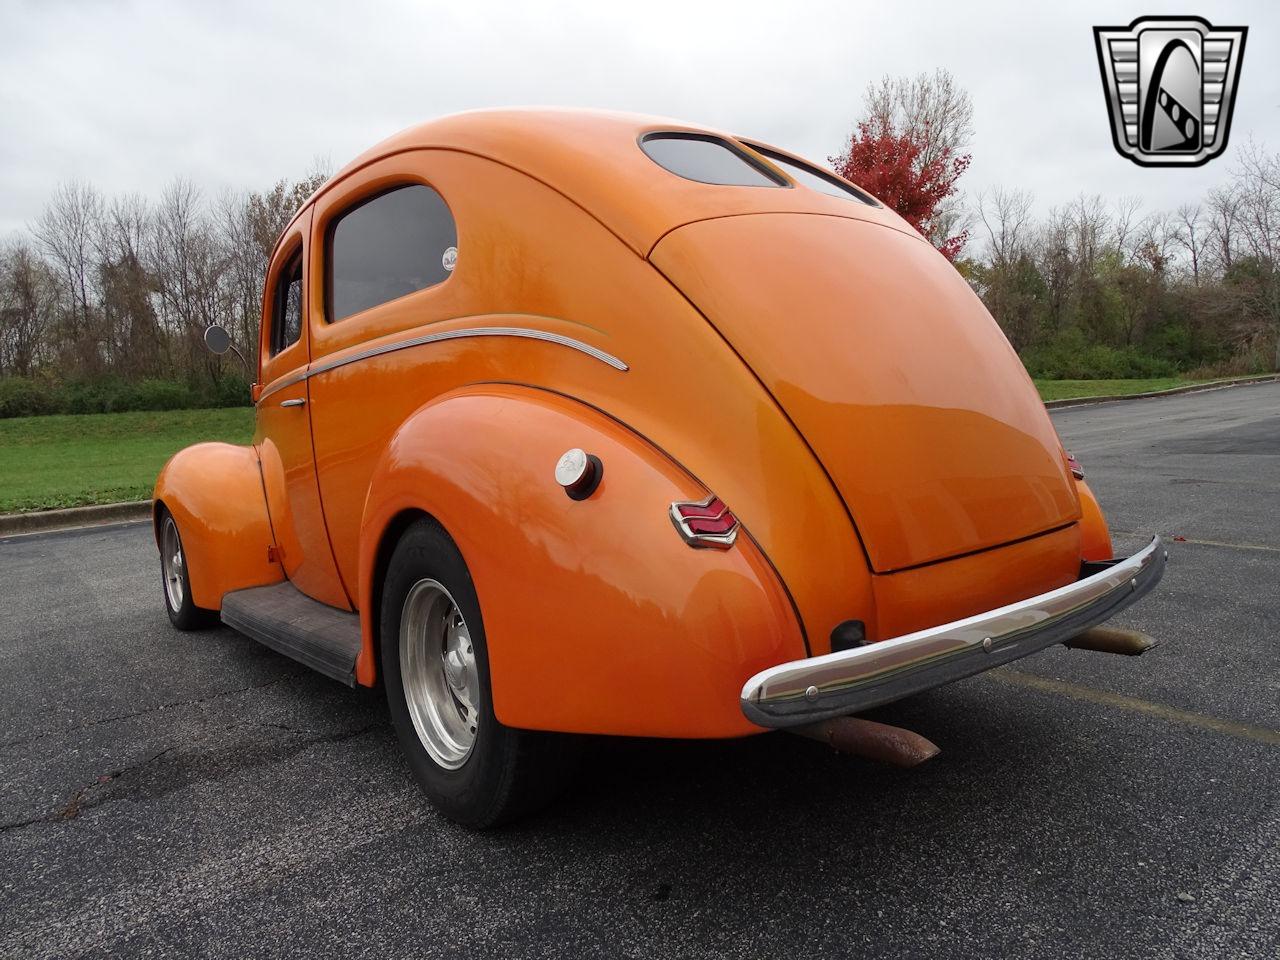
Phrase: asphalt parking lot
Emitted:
{"points": [[171, 794]]}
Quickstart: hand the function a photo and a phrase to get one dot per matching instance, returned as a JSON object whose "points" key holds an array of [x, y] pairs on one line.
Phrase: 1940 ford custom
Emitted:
{"points": [[587, 423]]}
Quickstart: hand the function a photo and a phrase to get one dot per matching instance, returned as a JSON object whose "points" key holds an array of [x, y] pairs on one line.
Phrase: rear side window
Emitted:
{"points": [[392, 245], [706, 159], [286, 305], [815, 178]]}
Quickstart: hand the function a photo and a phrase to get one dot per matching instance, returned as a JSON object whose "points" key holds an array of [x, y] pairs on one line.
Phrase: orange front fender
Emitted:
{"points": [[598, 617], [214, 491]]}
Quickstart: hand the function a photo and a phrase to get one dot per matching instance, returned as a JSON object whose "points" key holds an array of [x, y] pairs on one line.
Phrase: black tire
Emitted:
{"points": [[507, 773], [183, 613]]}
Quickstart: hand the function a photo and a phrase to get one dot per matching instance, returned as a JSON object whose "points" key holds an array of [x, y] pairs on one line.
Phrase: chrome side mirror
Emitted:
{"points": [[217, 339]]}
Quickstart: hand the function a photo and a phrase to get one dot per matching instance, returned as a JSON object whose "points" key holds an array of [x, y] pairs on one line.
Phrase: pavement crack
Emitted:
{"points": [[132, 782], [332, 737], [157, 708], [19, 824], [82, 799]]}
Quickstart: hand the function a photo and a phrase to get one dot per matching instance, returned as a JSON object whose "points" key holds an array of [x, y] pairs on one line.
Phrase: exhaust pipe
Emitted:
{"points": [[1129, 643], [874, 741]]}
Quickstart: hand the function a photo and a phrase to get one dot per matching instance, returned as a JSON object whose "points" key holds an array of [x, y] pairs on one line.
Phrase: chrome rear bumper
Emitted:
{"points": [[836, 684]]}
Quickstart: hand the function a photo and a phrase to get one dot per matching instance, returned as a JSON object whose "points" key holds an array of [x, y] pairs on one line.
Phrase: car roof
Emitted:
{"points": [[594, 159]]}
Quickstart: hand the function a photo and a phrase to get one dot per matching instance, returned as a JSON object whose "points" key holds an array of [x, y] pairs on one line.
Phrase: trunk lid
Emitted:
{"points": [[893, 371]]}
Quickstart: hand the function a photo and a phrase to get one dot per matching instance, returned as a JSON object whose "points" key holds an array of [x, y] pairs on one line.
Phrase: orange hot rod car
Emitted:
{"points": [[588, 423]]}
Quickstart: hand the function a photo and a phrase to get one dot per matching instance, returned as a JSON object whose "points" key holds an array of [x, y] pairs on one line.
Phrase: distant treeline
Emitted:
{"points": [[103, 302], [1098, 289]]}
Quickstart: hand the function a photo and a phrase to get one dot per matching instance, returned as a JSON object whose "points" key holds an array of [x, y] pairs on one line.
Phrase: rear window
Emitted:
{"points": [[815, 178], [395, 244], [706, 159]]}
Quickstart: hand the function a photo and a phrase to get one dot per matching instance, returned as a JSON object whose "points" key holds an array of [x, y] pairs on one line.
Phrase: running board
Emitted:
{"points": [[288, 621]]}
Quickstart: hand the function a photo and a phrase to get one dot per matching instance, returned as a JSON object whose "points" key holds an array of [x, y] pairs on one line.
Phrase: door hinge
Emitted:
{"points": [[275, 554]]}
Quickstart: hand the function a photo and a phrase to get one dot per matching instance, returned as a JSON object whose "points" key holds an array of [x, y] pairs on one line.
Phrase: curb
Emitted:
{"points": [[1172, 392], [41, 521]]}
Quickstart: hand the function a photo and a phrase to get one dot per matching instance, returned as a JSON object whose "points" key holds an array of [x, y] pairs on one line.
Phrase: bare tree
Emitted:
{"points": [[1124, 222], [1053, 254], [65, 231], [127, 288], [1223, 217], [1191, 236], [1257, 182], [246, 272], [932, 107], [186, 262], [1158, 237], [29, 295], [270, 212], [249, 226], [1005, 214], [1008, 281], [1088, 221]]}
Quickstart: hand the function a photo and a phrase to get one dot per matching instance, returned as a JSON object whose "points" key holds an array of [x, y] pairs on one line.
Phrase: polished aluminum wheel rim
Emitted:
{"points": [[171, 563], [439, 673]]}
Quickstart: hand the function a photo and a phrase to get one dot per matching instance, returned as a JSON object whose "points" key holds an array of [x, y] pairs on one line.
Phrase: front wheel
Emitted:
{"points": [[435, 667], [176, 580]]}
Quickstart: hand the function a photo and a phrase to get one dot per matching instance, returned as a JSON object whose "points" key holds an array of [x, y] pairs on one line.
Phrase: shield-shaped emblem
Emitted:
{"points": [[1170, 84]]}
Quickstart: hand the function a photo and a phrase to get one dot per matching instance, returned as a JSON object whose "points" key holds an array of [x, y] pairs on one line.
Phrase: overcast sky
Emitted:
{"points": [[236, 95]]}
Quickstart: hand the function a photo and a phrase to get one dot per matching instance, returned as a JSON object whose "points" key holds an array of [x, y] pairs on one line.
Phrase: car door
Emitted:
{"points": [[384, 249], [283, 434]]}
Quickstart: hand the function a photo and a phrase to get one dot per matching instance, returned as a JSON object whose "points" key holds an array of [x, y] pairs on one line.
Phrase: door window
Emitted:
{"points": [[286, 305]]}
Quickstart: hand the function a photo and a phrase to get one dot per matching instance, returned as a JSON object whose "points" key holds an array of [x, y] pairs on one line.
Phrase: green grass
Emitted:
{"points": [[68, 461], [1070, 389]]}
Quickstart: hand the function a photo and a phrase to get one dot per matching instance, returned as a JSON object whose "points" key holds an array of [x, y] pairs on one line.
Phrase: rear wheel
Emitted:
{"points": [[176, 580], [436, 673]]}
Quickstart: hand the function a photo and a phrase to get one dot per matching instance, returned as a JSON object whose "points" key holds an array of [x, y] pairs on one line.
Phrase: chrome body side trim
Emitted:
{"points": [[461, 334], [277, 385], [837, 684]]}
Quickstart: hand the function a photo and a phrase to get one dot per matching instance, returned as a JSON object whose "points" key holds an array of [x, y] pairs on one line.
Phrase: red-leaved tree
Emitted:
{"points": [[887, 163], [908, 151]]}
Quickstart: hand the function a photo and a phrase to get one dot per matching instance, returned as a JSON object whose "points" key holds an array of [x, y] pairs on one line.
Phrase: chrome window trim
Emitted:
{"points": [[461, 334], [785, 158]]}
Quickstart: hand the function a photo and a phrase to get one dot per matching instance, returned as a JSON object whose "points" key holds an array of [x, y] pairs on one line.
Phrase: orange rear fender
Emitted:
{"points": [[1095, 537], [599, 618], [214, 491]]}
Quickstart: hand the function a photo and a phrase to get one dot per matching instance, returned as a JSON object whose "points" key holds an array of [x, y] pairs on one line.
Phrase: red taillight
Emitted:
{"points": [[1073, 464], [705, 523]]}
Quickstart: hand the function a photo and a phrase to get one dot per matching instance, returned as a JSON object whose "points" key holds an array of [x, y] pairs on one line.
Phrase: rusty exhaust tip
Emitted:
{"points": [[874, 741], [1129, 643]]}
